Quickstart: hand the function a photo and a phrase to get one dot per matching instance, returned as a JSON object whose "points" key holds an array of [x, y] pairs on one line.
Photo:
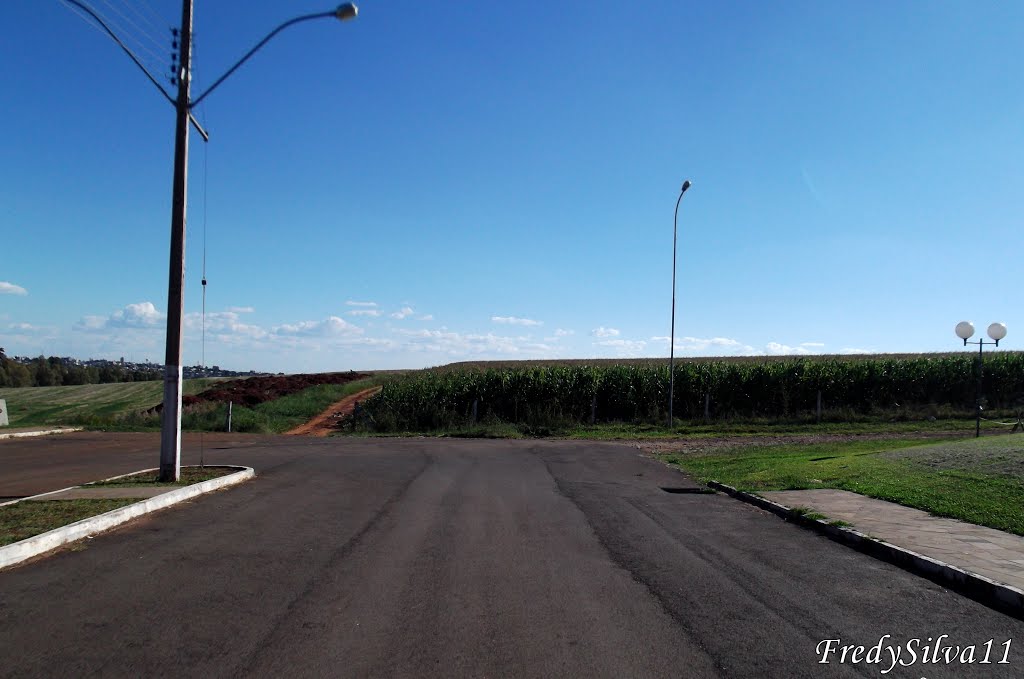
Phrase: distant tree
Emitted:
{"points": [[45, 374], [18, 375], [74, 374], [111, 373]]}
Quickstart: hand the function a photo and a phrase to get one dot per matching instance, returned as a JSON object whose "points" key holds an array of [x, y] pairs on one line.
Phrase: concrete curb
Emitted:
{"points": [[1004, 598], [44, 432], [38, 544]]}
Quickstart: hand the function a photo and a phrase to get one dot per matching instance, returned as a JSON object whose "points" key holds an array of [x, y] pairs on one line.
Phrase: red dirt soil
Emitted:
{"points": [[327, 422]]}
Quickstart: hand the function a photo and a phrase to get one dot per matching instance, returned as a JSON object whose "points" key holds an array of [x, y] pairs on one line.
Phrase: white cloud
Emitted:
{"points": [[623, 347], [513, 320], [365, 312], [370, 304], [850, 350], [559, 334], [776, 349], [11, 289], [241, 309], [403, 313], [425, 317], [633, 345], [604, 332], [474, 345], [812, 344], [329, 327], [22, 327], [716, 345], [224, 325], [141, 316]]}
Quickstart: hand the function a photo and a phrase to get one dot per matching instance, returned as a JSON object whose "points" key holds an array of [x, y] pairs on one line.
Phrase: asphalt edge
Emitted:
{"points": [[44, 432], [997, 595], [45, 542]]}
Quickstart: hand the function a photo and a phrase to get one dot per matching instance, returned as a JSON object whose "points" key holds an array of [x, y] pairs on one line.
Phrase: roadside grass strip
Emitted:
{"points": [[979, 481], [38, 524], [27, 519]]}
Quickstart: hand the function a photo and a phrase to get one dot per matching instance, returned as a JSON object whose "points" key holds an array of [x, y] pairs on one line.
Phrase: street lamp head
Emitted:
{"points": [[997, 331], [686, 185], [346, 11], [965, 330]]}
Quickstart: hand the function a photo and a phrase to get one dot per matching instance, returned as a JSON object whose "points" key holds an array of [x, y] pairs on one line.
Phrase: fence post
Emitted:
{"points": [[819, 406], [707, 407], [475, 401], [229, 416]]}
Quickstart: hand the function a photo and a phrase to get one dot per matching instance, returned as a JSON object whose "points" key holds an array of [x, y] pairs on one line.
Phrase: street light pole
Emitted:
{"points": [[965, 330], [170, 432], [672, 334], [170, 426], [170, 429]]}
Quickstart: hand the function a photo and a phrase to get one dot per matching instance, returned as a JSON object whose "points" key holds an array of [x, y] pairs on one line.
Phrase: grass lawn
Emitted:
{"points": [[755, 428], [613, 431], [25, 519], [976, 480], [86, 403]]}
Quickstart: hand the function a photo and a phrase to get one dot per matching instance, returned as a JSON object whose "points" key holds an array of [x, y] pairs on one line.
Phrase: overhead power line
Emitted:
{"points": [[92, 13]]}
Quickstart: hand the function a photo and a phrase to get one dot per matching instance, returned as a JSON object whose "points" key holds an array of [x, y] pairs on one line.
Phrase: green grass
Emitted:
{"points": [[949, 479], [621, 430], [614, 431], [25, 519], [86, 404]]}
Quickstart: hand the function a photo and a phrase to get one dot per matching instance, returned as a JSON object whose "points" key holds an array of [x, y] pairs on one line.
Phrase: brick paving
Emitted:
{"points": [[985, 551]]}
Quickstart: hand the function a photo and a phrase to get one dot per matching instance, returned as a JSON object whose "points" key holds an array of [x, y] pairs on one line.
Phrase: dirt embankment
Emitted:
{"points": [[252, 391], [328, 421]]}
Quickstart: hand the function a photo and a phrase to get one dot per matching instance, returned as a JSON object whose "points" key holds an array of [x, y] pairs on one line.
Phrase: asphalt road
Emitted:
{"points": [[437, 558]]}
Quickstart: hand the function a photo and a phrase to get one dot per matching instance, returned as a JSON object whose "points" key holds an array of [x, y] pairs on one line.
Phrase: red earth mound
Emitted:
{"points": [[252, 391]]}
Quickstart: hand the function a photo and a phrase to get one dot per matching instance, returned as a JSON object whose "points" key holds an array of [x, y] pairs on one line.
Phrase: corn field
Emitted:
{"points": [[776, 389]]}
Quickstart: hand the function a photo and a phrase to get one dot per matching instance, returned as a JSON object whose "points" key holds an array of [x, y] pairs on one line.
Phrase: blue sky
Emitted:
{"points": [[454, 181]]}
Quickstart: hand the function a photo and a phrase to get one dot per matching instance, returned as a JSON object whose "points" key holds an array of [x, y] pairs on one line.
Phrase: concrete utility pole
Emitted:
{"points": [[170, 429]]}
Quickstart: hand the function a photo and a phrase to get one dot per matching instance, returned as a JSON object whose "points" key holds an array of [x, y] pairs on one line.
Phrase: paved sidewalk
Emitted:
{"points": [[984, 551], [107, 492]]}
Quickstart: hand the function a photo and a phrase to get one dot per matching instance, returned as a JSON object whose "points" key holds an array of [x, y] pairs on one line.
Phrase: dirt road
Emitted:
{"points": [[327, 421]]}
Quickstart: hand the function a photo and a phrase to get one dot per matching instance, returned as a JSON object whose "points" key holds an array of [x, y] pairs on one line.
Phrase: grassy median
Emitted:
{"points": [[28, 518], [976, 480], [25, 519]]}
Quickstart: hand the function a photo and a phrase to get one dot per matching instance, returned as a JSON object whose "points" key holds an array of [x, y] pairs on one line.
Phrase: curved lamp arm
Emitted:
{"points": [[343, 13]]}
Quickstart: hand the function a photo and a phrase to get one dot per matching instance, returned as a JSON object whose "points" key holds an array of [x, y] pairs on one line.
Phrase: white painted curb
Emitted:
{"points": [[998, 595], [45, 432], [33, 546]]}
